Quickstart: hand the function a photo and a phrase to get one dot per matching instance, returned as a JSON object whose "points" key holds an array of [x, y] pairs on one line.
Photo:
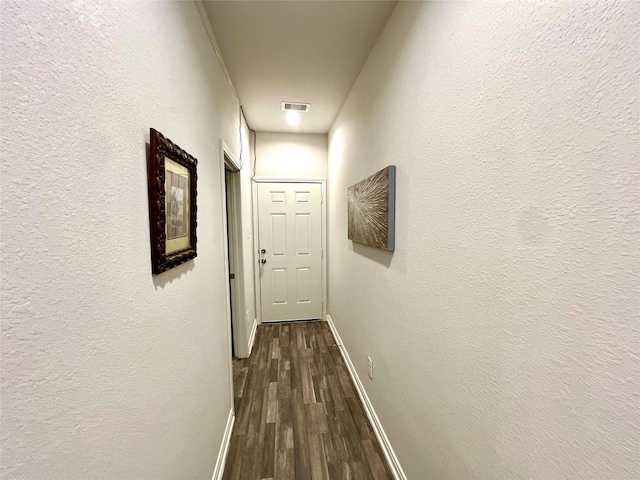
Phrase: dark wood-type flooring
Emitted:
{"points": [[298, 415]]}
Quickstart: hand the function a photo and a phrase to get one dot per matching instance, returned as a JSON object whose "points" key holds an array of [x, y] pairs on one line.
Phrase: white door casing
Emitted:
{"points": [[290, 233]]}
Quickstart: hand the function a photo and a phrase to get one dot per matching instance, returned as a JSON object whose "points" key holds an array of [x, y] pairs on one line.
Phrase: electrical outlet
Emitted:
{"points": [[370, 367]]}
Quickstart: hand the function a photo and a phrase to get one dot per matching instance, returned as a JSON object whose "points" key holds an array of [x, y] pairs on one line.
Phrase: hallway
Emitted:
{"points": [[504, 327], [297, 412]]}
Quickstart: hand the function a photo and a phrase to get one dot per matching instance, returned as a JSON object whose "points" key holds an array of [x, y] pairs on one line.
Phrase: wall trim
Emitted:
{"points": [[214, 44], [252, 335], [224, 447], [389, 454]]}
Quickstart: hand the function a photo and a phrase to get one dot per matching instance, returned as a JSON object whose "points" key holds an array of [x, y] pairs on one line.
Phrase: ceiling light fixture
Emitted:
{"points": [[293, 118]]}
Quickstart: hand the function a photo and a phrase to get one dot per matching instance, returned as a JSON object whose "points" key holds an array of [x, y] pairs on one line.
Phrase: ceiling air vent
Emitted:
{"points": [[296, 107]]}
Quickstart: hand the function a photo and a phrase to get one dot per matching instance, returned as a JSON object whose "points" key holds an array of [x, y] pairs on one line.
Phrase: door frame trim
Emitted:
{"points": [[240, 335], [256, 237], [225, 239]]}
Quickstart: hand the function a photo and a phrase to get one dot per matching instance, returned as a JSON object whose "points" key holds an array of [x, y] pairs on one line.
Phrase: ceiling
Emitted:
{"points": [[295, 51]]}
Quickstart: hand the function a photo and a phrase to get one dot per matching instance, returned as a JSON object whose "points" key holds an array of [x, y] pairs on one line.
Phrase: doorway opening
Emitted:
{"points": [[233, 224]]}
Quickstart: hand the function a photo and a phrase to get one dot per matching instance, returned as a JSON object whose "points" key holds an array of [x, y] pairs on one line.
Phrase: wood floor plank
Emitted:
{"points": [[272, 399], [348, 389], [285, 465], [262, 428], [308, 393], [284, 375], [317, 458], [336, 393], [245, 403], [298, 415], [273, 370], [296, 370], [359, 418], [300, 340], [375, 462], [269, 451], [300, 436], [251, 445], [359, 471], [284, 424], [233, 458]]}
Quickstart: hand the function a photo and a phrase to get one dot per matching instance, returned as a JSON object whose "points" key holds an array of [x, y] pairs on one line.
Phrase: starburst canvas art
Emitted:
{"points": [[372, 210]]}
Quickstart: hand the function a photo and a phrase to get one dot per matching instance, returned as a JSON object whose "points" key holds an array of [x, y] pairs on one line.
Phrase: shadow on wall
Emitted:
{"points": [[161, 280], [383, 257]]}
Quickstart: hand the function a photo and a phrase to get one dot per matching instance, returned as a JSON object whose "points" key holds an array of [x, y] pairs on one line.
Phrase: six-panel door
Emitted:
{"points": [[290, 233]]}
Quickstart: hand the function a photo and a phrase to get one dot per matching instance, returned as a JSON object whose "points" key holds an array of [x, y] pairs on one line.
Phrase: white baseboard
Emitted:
{"points": [[252, 336], [389, 454], [224, 447]]}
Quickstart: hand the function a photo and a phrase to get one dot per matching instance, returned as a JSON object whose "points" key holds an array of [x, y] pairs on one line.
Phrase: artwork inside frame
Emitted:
{"points": [[371, 210], [172, 185], [176, 189]]}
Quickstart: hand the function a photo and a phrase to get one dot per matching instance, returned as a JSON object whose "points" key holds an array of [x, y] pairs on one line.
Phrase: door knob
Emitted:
{"points": [[264, 260]]}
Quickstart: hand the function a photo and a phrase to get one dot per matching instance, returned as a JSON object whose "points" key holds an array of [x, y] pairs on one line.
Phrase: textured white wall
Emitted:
{"points": [[108, 372], [291, 155], [504, 328]]}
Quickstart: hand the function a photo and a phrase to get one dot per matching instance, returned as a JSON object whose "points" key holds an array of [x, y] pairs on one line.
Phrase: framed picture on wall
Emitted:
{"points": [[371, 210], [172, 184]]}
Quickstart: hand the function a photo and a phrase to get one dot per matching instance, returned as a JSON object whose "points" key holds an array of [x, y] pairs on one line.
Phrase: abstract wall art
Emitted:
{"points": [[371, 213]]}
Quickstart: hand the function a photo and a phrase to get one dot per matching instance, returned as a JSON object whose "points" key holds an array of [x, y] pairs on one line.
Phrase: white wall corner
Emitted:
{"points": [[252, 336], [214, 43], [387, 449], [224, 447]]}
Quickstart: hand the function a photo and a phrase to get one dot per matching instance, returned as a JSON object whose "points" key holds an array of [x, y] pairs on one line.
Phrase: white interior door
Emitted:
{"points": [[290, 244]]}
